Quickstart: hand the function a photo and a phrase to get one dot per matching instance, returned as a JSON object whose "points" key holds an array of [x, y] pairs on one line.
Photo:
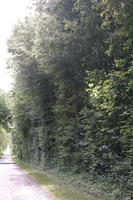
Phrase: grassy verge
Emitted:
{"points": [[59, 186]]}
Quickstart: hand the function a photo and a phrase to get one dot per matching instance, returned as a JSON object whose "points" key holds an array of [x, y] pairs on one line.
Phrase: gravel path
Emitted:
{"points": [[15, 184]]}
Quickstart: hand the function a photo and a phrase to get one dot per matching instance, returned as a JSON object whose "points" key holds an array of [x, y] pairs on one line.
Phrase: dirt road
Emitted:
{"points": [[15, 184]]}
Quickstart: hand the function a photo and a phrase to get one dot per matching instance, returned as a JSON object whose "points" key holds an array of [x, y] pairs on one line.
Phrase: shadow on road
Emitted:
{"points": [[5, 163]]}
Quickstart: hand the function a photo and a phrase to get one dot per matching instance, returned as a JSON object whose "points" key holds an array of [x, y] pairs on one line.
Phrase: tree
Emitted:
{"points": [[4, 120], [72, 98]]}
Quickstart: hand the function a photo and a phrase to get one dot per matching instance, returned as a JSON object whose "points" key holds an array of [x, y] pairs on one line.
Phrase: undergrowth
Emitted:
{"points": [[64, 186]]}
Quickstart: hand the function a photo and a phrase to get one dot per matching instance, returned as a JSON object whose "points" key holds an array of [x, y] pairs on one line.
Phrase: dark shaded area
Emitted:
{"points": [[7, 163]]}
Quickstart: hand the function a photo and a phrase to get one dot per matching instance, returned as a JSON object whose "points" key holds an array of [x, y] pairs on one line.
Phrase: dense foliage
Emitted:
{"points": [[4, 120], [72, 97]]}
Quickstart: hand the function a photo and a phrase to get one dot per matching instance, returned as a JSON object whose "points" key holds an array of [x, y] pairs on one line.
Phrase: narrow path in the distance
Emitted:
{"points": [[15, 184]]}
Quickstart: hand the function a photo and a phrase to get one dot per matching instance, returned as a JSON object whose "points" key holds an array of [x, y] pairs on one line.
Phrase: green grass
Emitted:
{"points": [[58, 186]]}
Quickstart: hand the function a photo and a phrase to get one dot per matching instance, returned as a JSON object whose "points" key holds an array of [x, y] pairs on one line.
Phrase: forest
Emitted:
{"points": [[72, 99]]}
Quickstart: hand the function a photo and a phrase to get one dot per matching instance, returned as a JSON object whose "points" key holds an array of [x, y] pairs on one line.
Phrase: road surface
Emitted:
{"points": [[15, 184]]}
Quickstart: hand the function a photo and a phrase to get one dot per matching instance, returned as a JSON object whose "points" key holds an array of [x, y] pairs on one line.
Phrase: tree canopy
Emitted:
{"points": [[72, 98]]}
